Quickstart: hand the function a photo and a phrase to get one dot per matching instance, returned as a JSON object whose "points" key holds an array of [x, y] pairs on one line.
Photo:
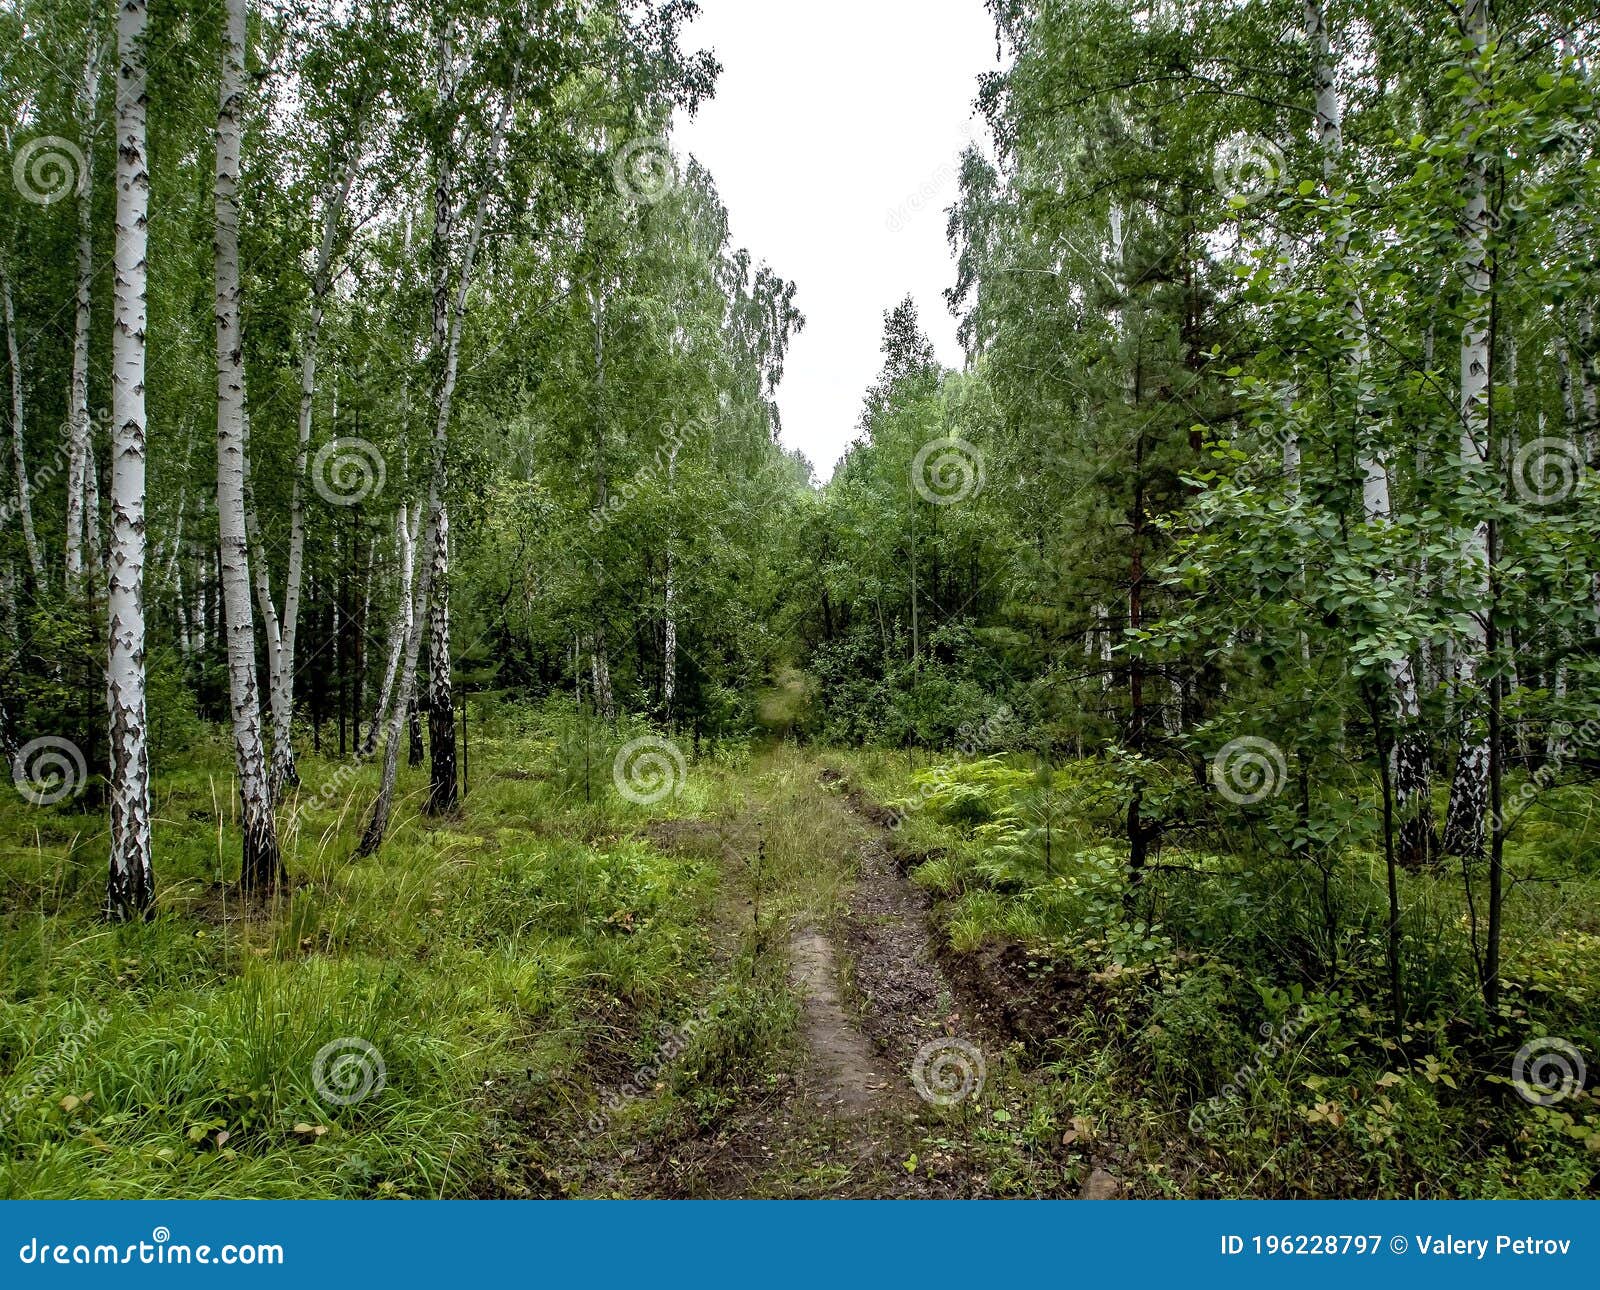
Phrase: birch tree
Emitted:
{"points": [[449, 292], [283, 630], [19, 456], [261, 867], [131, 884], [1469, 788], [80, 459]]}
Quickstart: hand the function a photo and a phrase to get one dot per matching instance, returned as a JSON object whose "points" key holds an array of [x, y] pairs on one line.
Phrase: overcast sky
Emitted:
{"points": [[834, 138]]}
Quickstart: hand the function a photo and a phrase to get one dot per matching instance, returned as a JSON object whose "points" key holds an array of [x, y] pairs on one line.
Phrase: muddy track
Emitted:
{"points": [[905, 1000], [914, 989], [846, 1077], [909, 993], [875, 988]]}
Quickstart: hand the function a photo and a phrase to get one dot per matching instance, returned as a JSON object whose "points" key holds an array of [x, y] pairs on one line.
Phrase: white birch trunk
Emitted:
{"points": [[131, 882], [18, 456], [279, 702], [1469, 788], [91, 505], [400, 629], [261, 868], [1589, 380], [669, 650], [447, 319], [8, 660], [281, 642], [599, 652], [442, 787], [78, 396]]}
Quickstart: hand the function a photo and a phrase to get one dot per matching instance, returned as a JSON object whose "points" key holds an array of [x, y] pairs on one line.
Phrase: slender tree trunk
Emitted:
{"points": [[8, 659], [416, 749], [261, 868], [1589, 380], [447, 321], [669, 644], [130, 886], [400, 628], [1394, 938], [18, 457], [91, 506], [1588, 363], [1491, 951], [434, 581], [443, 791], [174, 571], [599, 654], [1469, 789], [78, 396], [1139, 833], [279, 703]]}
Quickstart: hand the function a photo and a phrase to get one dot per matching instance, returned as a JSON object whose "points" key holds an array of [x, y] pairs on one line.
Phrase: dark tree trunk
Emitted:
{"points": [[415, 751]]}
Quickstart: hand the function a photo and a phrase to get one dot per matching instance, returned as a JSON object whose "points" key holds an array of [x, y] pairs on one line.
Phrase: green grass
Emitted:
{"points": [[1171, 986], [492, 955], [558, 980]]}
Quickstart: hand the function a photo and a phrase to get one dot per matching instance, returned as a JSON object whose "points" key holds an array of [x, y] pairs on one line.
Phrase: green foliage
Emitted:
{"points": [[176, 1057]]}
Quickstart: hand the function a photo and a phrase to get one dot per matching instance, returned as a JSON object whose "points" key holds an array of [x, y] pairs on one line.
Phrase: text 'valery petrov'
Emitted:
{"points": [[1478, 1248]]}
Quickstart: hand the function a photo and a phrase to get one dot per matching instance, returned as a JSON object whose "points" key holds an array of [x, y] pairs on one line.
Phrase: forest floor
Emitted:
{"points": [[766, 984], [851, 1115]]}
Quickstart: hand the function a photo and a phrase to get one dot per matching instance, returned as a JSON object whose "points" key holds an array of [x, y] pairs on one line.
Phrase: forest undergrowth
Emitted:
{"points": [[562, 991]]}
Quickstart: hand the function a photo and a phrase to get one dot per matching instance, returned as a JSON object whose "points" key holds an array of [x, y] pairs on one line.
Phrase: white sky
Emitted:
{"points": [[834, 139]]}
